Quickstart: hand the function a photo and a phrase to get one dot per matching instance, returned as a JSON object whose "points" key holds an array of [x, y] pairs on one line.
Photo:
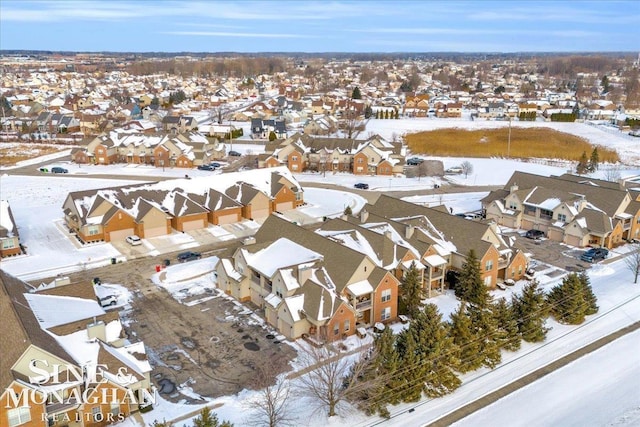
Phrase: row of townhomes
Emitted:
{"points": [[184, 150], [65, 361], [300, 152], [571, 209], [155, 209], [9, 236], [326, 284]]}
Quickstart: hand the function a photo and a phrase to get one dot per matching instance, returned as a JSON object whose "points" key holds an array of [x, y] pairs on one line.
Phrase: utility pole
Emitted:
{"points": [[509, 141]]}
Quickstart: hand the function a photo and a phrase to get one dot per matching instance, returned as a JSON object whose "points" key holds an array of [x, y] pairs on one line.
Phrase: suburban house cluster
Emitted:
{"points": [[184, 150], [9, 236], [61, 353], [300, 152], [326, 284], [575, 210], [150, 210]]}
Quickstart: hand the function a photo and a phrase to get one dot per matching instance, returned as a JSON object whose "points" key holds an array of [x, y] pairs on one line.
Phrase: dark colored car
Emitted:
{"points": [[362, 186], [206, 168], [188, 256], [234, 154], [415, 161], [595, 254], [534, 234], [57, 169], [215, 164]]}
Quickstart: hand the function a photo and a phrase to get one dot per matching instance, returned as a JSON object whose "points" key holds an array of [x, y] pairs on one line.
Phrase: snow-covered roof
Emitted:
{"points": [[55, 310], [5, 218], [295, 305], [229, 270], [435, 260], [281, 253], [362, 287]]}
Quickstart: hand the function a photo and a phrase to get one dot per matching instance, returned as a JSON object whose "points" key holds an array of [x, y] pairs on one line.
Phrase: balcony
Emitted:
{"points": [[363, 304]]}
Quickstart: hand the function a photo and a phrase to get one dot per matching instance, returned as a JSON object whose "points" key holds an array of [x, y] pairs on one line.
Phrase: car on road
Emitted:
{"points": [[45, 170], [455, 170], [133, 240], [415, 161], [58, 169], [595, 254], [534, 234], [234, 154], [215, 165], [362, 186], [206, 168], [188, 256]]}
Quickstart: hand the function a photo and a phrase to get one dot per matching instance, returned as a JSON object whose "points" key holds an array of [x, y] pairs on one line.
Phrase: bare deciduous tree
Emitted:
{"points": [[467, 168], [633, 261], [332, 378], [271, 405], [612, 174]]}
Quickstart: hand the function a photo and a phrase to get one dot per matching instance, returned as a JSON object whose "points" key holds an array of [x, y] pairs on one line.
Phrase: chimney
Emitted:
{"points": [[408, 232], [513, 188], [387, 234], [364, 215]]}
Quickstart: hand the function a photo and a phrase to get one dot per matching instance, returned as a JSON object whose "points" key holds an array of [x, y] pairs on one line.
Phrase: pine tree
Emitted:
{"points": [[410, 388], [508, 335], [348, 211], [589, 296], [356, 93], [385, 385], [530, 310], [386, 114], [485, 331], [397, 114], [411, 292], [594, 160], [209, 419], [368, 112], [583, 164], [434, 351], [461, 333], [377, 114], [470, 286]]}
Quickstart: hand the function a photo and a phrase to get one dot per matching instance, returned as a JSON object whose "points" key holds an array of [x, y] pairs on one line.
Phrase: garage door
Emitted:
{"points": [[120, 234], [574, 241], [154, 232], [284, 206], [555, 235], [228, 219], [193, 225], [260, 213]]}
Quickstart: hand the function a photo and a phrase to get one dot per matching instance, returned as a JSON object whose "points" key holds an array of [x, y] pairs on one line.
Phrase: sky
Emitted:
{"points": [[327, 26]]}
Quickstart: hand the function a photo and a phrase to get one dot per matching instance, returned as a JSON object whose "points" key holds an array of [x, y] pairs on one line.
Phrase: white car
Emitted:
{"points": [[134, 240], [108, 301]]}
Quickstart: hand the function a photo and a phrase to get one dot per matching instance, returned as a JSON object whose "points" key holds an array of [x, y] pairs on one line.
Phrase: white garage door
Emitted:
{"points": [[120, 234], [193, 225], [154, 232], [260, 213], [284, 206], [228, 219]]}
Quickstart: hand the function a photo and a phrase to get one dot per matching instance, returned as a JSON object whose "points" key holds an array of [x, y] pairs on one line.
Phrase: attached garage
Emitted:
{"points": [[154, 232], [120, 234], [260, 213], [193, 225], [284, 206], [229, 218], [573, 240]]}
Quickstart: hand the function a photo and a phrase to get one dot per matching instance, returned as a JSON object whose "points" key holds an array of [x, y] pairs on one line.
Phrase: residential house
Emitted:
{"points": [[57, 364]]}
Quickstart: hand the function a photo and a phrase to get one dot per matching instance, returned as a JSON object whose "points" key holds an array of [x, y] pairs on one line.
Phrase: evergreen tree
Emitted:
{"points": [[589, 296], [368, 112], [583, 164], [530, 311], [377, 114], [272, 136], [348, 211], [5, 106], [470, 286], [209, 419], [508, 335], [412, 383], [594, 160], [386, 114], [411, 292], [464, 339], [397, 114], [356, 93], [435, 354], [485, 331]]}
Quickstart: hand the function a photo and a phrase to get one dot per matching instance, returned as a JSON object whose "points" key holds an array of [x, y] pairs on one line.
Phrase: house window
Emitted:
{"points": [[489, 265], [546, 214], [336, 329], [8, 244], [115, 408], [93, 230], [519, 270], [386, 295], [360, 160], [513, 206], [562, 217], [96, 414], [294, 158], [19, 416], [487, 281], [529, 210], [386, 313], [347, 325]]}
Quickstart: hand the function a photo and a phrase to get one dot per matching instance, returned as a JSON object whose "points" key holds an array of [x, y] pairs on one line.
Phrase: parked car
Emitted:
{"points": [[234, 154], [595, 254], [215, 165], [57, 169], [534, 234], [107, 301], [362, 185], [415, 161], [188, 256], [206, 168], [45, 170], [456, 170], [133, 240]]}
